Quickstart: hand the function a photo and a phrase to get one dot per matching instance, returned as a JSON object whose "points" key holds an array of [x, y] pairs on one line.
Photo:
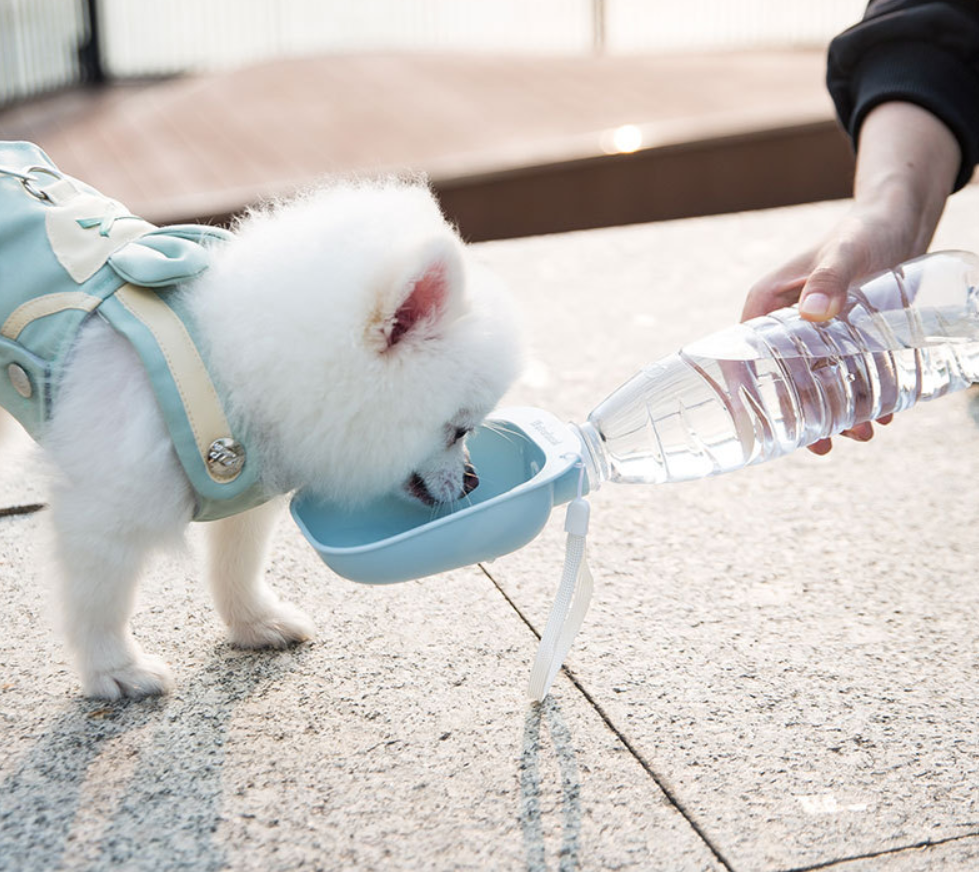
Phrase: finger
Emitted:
{"points": [[824, 294], [861, 432], [823, 446], [773, 292], [779, 288], [886, 419]]}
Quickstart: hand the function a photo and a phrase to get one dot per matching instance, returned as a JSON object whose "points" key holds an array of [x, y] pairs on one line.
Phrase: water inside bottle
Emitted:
{"points": [[771, 385]]}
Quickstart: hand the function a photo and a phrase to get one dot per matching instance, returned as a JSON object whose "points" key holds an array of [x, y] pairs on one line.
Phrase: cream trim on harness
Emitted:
{"points": [[49, 304], [197, 392]]}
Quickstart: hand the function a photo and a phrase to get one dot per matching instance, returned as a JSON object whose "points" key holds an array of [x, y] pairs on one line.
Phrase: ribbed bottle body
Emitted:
{"points": [[766, 387]]}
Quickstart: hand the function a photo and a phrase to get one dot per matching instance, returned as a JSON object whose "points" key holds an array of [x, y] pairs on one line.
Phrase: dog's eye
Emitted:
{"points": [[459, 433]]}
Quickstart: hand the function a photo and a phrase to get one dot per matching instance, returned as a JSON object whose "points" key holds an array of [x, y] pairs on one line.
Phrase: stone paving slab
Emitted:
{"points": [[399, 740], [956, 855], [792, 649]]}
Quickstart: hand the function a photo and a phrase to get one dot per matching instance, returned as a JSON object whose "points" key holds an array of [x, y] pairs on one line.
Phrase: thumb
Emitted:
{"points": [[824, 293]]}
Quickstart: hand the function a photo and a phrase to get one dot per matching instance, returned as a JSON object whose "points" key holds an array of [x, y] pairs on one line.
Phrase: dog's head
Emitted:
{"points": [[359, 341], [449, 347]]}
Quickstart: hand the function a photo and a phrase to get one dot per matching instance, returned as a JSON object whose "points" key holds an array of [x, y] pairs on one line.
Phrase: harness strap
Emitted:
{"points": [[214, 459], [190, 376], [203, 438]]}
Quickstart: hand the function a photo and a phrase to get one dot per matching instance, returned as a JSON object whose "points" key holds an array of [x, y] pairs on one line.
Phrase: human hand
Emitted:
{"points": [[865, 241], [906, 166]]}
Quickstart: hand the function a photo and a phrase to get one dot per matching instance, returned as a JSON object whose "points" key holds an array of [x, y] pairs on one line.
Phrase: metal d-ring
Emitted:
{"points": [[27, 180]]}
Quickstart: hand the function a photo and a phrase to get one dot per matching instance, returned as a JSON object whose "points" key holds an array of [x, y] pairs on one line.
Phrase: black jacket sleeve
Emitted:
{"points": [[921, 51]]}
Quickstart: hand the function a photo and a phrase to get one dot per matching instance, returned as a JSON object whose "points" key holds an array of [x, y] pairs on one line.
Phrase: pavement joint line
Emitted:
{"points": [[28, 509], [927, 843], [657, 780], [674, 801]]}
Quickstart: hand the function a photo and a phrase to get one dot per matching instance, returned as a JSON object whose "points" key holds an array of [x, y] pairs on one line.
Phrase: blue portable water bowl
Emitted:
{"points": [[526, 461]]}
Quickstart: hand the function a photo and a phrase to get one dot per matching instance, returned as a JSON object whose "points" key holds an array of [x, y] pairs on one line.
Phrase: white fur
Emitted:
{"points": [[296, 316]]}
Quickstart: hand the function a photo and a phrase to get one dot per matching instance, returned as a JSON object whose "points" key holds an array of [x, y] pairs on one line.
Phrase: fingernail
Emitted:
{"points": [[815, 304]]}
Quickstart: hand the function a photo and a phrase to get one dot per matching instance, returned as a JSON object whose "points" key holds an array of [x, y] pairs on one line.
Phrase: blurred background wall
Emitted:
{"points": [[45, 44], [526, 116]]}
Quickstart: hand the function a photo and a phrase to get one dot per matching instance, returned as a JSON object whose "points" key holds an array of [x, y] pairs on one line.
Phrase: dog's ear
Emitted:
{"points": [[428, 293]]}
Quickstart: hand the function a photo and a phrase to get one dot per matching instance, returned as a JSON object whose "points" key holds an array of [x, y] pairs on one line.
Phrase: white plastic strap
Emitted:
{"points": [[570, 604]]}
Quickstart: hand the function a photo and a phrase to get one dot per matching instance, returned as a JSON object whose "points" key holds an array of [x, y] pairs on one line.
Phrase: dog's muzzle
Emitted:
{"points": [[419, 490]]}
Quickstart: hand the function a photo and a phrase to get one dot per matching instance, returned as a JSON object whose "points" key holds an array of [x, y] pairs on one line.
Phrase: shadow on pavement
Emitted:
{"points": [[531, 817], [163, 805]]}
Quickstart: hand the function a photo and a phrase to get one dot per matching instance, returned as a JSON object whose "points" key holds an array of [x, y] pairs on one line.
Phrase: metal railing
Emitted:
{"points": [[46, 44], [165, 36]]}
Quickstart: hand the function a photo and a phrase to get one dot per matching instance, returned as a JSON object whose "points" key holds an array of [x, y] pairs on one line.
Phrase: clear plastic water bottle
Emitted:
{"points": [[766, 387]]}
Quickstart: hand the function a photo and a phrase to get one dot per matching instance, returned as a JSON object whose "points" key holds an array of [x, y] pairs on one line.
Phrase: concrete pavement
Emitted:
{"points": [[778, 671]]}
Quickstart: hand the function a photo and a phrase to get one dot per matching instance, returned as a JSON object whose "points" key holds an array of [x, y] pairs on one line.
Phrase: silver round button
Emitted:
{"points": [[20, 380], [225, 459]]}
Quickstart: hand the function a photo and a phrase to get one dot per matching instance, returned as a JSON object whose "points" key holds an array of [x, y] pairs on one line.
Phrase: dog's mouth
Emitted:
{"points": [[416, 487]]}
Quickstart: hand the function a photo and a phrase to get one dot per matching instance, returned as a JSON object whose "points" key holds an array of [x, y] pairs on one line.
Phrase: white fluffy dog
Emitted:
{"points": [[358, 343]]}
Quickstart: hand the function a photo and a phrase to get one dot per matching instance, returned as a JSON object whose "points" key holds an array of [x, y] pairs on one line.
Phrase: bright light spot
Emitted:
{"points": [[536, 374], [624, 140], [825, 803]]}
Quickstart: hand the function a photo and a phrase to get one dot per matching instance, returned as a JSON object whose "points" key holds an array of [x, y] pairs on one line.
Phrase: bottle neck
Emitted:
{"points": [[592, 454]]}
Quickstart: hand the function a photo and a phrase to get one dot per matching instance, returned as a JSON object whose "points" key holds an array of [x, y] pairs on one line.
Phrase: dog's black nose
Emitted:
{"points": [[470, 480]]}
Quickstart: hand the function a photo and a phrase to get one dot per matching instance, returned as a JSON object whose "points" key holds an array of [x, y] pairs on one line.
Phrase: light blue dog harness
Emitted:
{"points": [[68, 253]]}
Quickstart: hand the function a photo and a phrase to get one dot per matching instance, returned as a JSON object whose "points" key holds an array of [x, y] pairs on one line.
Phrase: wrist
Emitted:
{"points": [[902, 199], [906, 167]]}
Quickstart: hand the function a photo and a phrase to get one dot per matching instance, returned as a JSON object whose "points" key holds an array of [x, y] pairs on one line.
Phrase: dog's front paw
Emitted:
{"points": [[142, 676], [280, 626]]}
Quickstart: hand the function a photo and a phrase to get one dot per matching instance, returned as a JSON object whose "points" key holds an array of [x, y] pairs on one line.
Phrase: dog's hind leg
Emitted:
{"points": [[255, 615], [120, 493], [100, 556]]}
